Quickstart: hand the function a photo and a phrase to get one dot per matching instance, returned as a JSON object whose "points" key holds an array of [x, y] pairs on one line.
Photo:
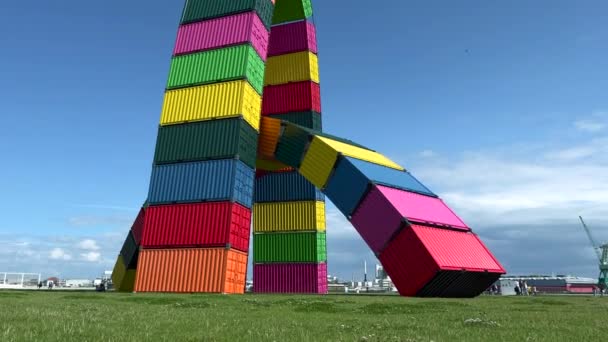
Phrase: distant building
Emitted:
{"points": [[78, 283], [556, 284]]}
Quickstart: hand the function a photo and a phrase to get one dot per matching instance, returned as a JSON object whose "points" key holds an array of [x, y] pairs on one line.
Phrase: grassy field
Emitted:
{"points": [[89, 316]]}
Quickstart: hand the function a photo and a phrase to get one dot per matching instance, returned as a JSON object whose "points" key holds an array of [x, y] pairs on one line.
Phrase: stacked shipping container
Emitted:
{"points": [[289, 245]]}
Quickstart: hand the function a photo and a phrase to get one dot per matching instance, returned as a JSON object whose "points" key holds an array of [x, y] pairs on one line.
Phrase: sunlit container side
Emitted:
{"points": [[293, 67], [292, 145], [289, 216], [270, 130], [137, 228], [214, 139], [293, 37], [289, 247], [230, 99], [225, 64], [291, 11], [198, 10], [426, 261], [285, 187], [129, 252], [206, 181], [123, 280], [290, 278], [212, 224], [351, 179], [308, 119], [292, 97], [212, 270], [221, 32]]}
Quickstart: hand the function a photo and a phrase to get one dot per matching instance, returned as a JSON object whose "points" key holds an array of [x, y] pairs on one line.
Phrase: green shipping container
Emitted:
{"points": [[198, 10], [289, 247], [292, 145], [291, 10], [310, 120], [214, 139], [231, 63]]}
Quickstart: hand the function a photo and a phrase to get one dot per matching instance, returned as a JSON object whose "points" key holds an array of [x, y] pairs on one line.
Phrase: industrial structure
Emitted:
{"points": [[601, 250], [240, 141]]}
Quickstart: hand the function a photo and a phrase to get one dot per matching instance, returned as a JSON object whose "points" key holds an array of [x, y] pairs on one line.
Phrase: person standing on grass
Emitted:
{"points": [[517, 289]]}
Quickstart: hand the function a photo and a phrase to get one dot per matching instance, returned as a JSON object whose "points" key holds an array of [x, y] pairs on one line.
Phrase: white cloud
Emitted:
{"points": [[91, 256], [59, 254], [428, 154], [88, 244], [596, 123]]}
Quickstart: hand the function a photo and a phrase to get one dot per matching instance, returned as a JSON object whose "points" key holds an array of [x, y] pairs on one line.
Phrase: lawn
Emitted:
{"points": [[90, 316]]}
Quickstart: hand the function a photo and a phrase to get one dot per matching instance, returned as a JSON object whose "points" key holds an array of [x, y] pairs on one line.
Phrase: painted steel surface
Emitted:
{"points": [[291, 10], [230, 99], [289, 247], [290, 278], [292, 97], [198, 10], [292, 145], [211, 224], [225, 64], [293, 37], [293, 67], [270, 130], [138, 226], [289, 216], [212, 270], [129, 252], [285, 187], [220, 32], [308, 119], [213, 180]]}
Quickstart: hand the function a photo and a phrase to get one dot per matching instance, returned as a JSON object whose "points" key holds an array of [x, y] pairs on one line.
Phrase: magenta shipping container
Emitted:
{"points": [[290, 278], [294, 37], [225, 31]]}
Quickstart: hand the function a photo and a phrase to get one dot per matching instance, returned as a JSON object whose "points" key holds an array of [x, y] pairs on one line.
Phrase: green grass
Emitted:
{"points": [[83, 316]]}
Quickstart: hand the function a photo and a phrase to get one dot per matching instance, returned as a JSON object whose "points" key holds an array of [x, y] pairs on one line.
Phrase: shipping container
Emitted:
{"points": [[289, 216], [426, 261], [293, 67], [214, 139], [285, 187], [289, 247], [192, 270], [293, 37], [292, 145], [308, 119], [292, 97], [198, 10], [290, 278], [286, 11], [219, 65], [221, 32], [213, 101], [352, 178], [138, 226], [271, 165], [129, 252], [206, 181], [270, 129], [123, 280], [212, 224]]}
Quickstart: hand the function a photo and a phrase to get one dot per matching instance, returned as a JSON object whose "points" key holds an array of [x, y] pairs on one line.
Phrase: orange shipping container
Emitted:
{"points": [[212, 270]]}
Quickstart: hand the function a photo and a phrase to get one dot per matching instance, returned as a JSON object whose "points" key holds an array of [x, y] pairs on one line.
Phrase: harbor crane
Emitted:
{"points": [[601, 250]]}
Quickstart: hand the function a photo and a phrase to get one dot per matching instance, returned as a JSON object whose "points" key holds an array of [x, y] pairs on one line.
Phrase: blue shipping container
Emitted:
{"points": [[285, 187], [205, 181], [349, 182]]}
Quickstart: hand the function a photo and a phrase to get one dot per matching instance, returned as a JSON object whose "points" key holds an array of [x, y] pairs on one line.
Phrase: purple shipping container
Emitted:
{"points": [[290, 38], [290, 278], [225, 31]]}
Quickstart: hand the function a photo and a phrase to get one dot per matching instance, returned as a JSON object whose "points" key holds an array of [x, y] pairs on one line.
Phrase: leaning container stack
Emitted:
{"points": [[197, 225], [289, 243]]}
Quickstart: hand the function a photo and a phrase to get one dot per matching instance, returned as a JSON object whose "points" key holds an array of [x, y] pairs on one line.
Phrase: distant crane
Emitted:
{"points": [[602, 255]]}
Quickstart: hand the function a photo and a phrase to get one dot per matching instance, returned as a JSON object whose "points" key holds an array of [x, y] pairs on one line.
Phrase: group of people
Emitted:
{"points": [[522, 289]]}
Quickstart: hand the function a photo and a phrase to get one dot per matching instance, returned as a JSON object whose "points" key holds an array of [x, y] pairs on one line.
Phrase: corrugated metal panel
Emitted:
{"points": [[214, 270], [289, 247], [291, 11], [230, 63], [213, 180], [118, 273], [138, 226], [458, 284], [361, 153], [285, 187], [290, 278], [230, 99], [197, 10], [293, 67], [318, 162], [220, 32], [292, 37], [289, 216], [270, 129], [198, 225], [292, 145], [308, 119], [390, 177], [129, 252], [214, 139], [271, 165], [421, 209], [292, 97]]}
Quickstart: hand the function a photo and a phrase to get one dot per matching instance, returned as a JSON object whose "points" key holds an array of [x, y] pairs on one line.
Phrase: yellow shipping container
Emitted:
{"points": [[212, 101], [123, 279], [289, 216], [293, 67]]}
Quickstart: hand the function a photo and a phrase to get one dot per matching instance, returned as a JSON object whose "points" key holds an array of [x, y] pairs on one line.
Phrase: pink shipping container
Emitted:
{"points": [[225, 31], [290, 278], [291, 97], [294, 37], [210, 224], [428, 262], [138, 226]]}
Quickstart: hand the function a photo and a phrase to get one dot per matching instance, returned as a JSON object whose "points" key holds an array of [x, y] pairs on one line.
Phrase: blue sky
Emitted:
{"points": [[502, 109]]}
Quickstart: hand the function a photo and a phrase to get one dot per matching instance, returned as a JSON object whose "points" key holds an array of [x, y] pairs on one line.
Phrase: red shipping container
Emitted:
{"points": [[294, 37], [138, 226], [428, 261], [291, 97], [290, 278], [208, 224]]}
